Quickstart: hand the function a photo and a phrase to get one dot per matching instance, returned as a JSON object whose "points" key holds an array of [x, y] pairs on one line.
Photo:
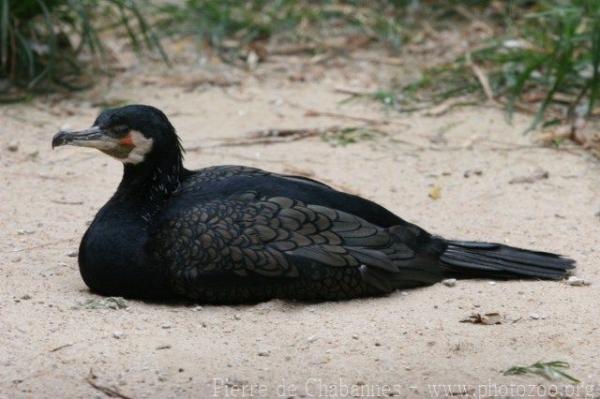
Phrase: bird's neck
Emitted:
{"points": [[146, 186]]}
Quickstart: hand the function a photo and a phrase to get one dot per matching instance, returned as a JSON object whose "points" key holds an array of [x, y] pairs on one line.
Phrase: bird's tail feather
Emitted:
{"points": [[480, 259]]}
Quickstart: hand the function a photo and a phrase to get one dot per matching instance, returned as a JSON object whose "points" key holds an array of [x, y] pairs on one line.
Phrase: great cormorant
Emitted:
{"points": [[232, 234]]}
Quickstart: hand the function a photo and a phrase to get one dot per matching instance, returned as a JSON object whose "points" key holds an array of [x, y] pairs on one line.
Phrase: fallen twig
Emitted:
{"points": [[447, 105], [538, 174], [352, 92], [62, 202], [313, 113], [346, 46], [108, 391], [380, 60], [191, 83], [270, 136], [60, 347]]}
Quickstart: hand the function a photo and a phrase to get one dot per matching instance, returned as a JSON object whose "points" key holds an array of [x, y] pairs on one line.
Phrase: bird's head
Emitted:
{"points": [[133, 134]]}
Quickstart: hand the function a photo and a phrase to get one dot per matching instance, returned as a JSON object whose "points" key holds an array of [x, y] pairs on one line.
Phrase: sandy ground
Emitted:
{"points": [[399, 345]]}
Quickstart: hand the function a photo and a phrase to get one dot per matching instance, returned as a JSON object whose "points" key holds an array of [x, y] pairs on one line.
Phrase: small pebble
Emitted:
{"points": [[577, 282], [404, 293], [311, 339], [118, 334], [197, 308], [449, 282], [534, 316], [492, 283], [72, 254], [160, 347], [13, 146], [263, 353], [166, 326]]}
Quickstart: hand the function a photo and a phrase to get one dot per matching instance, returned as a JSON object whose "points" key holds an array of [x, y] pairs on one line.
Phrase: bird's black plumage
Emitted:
{"points": [[230, 234]]}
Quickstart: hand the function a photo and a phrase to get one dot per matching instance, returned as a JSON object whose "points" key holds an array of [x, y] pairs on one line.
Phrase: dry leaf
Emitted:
{"points": [[559, 134], [435, 193], [487, 319]]}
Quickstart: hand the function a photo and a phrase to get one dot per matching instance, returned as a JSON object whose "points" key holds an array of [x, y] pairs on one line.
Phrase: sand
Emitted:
{"points": [[400, 346]]}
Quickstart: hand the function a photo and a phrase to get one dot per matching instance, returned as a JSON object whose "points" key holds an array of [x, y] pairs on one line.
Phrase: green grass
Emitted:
{"points": [[544, 55], [552, 371], [545, 48], [350, 135], [230, 25], [547, 55], [51, 44]]}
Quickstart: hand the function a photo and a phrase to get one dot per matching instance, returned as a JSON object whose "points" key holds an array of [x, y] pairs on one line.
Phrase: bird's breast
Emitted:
{"points": [[113, 260]]}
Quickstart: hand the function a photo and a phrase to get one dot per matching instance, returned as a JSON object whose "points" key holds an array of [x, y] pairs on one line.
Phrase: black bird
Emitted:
{"points": [[233, 234]]}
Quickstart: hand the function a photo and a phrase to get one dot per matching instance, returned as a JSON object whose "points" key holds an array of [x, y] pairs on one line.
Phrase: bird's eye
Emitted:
{"points": [[119, 130]]}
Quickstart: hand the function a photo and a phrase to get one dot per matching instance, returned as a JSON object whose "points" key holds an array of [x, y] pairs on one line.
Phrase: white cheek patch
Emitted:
{"points": [[142, 146]]}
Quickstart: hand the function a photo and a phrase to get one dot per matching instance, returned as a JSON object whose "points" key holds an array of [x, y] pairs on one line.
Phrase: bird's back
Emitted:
{"points": [[221, 181]]}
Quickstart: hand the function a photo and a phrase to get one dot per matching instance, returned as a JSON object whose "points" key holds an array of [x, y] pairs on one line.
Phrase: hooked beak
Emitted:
{"points": [[93, 137]]}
